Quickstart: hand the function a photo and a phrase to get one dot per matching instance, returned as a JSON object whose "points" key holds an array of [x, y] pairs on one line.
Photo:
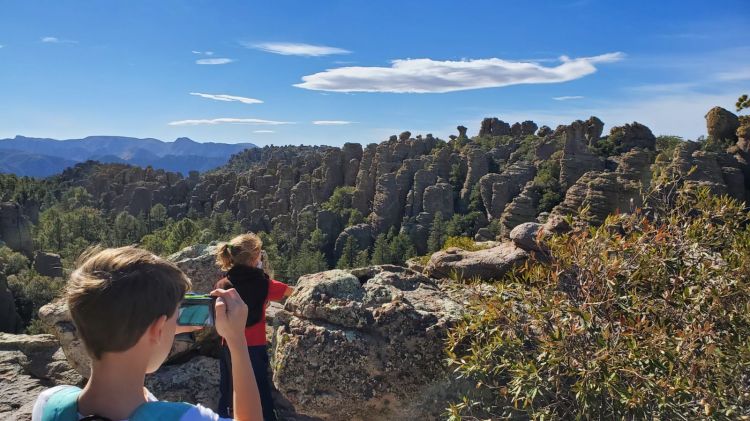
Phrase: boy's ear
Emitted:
{"points": [[156, 328]]}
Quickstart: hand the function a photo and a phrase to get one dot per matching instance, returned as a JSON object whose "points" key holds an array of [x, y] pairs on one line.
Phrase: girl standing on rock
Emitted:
{"points": [[242, 259]]}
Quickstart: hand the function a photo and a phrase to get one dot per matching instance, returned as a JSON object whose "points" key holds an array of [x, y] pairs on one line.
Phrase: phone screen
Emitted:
{"points": [[196, 311]]}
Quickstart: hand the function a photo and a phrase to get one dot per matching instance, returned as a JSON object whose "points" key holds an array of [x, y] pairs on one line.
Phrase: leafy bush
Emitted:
{"points": [[647, 316], [548, 181], [31, 291]]}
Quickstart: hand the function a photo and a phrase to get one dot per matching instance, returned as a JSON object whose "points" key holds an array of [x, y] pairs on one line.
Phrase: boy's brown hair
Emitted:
{"points": [[116, 293], [241, 250]]}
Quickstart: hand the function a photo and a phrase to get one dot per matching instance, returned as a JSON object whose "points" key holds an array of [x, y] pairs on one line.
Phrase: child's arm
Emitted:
{"points": [[277, 291], [231, 316]]}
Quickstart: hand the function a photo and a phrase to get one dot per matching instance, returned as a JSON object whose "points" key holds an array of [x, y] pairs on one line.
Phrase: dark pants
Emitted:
{"points": [[259, 360]]}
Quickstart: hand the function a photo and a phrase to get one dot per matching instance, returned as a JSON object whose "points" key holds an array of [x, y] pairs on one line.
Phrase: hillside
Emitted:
{"points": [[25, 156], [515, 240]]}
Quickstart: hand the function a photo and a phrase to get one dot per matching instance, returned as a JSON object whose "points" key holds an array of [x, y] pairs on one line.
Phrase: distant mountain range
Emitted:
{"points": [[44, 157]]}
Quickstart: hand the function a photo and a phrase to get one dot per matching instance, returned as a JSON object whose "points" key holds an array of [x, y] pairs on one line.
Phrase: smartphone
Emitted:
{"points": [[196, 310]]}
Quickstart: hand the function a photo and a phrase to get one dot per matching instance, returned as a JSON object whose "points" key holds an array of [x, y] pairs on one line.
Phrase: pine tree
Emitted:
{"points": [[362, 260], [381, 254], [401, 249], [437, 234], [348, 254]]}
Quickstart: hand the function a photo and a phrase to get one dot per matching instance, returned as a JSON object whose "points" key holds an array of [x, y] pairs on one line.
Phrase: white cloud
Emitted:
{"points": [[567, 98], [296, 49], [431, 76], [332, 122], [213, 61], [733, 76], [207, 53], [55, 40], [228, 120], [228, 98], [264, 131]]}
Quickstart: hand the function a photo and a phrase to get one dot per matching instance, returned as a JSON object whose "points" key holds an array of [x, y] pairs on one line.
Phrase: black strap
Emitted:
{"points": [[95, 418]]}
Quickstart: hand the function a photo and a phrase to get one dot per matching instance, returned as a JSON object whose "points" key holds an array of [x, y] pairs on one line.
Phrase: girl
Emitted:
{"points": [[242, 260]]}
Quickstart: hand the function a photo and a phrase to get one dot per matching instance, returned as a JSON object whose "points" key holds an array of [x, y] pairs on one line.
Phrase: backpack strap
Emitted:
{"points": [[62, 405], [168, 411]]}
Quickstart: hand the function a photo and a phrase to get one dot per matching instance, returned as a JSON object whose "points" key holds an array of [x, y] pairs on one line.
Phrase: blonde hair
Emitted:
{"points": [[241, 250], [116, 293]]}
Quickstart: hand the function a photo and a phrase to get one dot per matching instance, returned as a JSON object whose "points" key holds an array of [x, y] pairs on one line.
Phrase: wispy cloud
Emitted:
{"points": [[733, 76], [332, 122], [264, 131], [55, 40], [203, 53], [432, 76], [567, 98], [213, 61], [228, 120], [296, 49], [228, 98]]}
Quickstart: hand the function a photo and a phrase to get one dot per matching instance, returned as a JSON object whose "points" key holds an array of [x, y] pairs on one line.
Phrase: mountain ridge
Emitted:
{"points": [[43, 157]]}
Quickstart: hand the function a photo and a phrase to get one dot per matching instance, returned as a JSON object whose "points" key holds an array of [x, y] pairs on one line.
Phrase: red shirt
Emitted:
{"points": [[256, 334]]}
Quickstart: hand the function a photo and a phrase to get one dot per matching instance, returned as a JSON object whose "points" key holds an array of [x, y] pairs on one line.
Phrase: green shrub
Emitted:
{"points": [[641, 318], [464, 243], [31, 291]]}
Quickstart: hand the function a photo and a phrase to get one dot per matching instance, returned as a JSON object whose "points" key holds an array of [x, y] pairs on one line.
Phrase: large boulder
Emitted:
{"points": [[487, 265], [527, 237], [365, 344], [28, 365], [15, 228], [57, 319], [492, 126], [722, 124], [199, 264], [196, 381], [48, 264], [629, 136]]}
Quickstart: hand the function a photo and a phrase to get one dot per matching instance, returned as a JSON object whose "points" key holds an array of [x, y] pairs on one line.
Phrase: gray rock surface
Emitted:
{"points": [[722, 124], [488, 264], [365, 344], [28, 365], [15, 228]]}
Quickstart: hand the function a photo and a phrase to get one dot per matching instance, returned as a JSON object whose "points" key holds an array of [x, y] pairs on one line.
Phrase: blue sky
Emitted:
{"points": [[362, 69]]}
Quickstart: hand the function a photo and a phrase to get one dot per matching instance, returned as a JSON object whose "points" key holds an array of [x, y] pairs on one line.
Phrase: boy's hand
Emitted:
{"points": [[231, 314]]}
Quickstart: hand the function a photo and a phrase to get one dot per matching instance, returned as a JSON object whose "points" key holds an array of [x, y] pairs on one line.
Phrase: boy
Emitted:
{"points": [[124, 302]]}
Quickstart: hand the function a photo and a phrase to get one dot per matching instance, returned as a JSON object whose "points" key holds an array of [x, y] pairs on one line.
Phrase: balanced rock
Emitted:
{"points": [[722, 124], [526, 236], [488, 264], [365, 344]]}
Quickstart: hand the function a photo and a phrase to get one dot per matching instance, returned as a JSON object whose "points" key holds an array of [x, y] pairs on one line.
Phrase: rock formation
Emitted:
{"points": [[365, 344], [577, 159], [722, 124], [487, 264], [15, 228], [28, 365]]}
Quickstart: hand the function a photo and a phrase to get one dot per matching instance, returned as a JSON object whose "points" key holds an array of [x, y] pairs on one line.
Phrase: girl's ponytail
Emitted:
{"points": [[224, 256]]}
